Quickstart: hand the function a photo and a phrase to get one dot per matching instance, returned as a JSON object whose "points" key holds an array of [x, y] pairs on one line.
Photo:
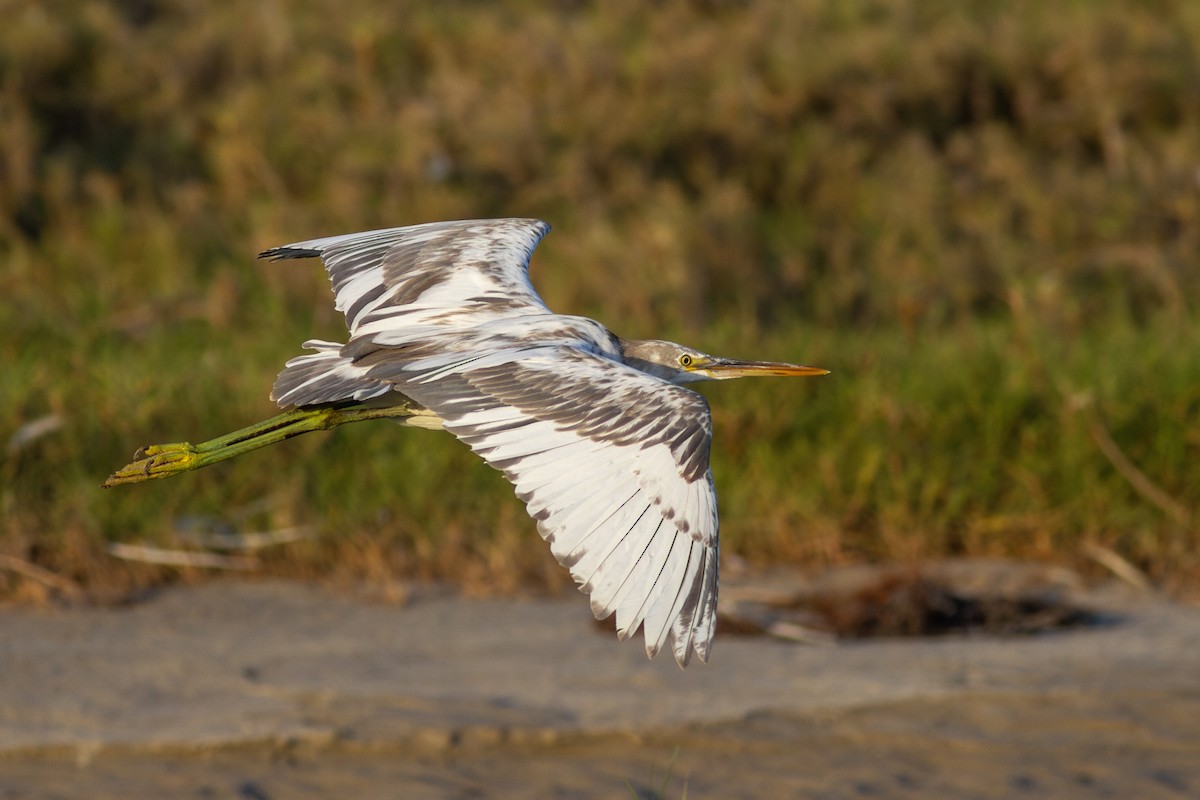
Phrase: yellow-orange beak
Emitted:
{"points": [[724, 368]]}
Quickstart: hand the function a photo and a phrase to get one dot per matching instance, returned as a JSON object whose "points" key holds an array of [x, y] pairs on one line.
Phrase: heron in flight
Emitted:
{"points": [[604, 445]]}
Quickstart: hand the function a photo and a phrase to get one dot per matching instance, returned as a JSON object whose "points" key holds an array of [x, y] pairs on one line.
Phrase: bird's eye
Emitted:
{"points": [[685, 360]]}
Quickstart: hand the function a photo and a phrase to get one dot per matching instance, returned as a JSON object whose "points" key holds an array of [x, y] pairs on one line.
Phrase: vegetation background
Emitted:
{"points": [[983, 217]]}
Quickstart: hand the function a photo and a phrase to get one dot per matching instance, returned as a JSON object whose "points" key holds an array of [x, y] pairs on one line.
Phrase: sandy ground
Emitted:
{"points": [[279, 690]]}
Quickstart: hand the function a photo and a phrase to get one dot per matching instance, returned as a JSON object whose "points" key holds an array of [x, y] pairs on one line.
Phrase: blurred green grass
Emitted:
{"points": [[983, 217]]}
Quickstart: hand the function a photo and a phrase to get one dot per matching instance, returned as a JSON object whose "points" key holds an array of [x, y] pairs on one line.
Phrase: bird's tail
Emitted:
{"points": [[324, 376]]}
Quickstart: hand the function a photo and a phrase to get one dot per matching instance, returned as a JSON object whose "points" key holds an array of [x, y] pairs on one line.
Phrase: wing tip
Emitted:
{"points": [[538, 227], [288, 251]]}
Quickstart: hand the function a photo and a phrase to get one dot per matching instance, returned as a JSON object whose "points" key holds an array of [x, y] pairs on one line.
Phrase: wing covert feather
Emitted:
{"points": [[633, 517]]}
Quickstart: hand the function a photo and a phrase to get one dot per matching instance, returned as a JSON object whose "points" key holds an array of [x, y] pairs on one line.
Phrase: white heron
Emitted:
{"points": [[607, 450]]}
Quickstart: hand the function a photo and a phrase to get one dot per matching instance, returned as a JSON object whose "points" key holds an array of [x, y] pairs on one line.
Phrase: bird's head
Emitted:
{"points": [[679, 364]]}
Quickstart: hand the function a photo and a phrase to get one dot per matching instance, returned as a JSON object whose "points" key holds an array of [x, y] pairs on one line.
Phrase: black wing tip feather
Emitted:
{"points": [[540, 227], [280, 253]]}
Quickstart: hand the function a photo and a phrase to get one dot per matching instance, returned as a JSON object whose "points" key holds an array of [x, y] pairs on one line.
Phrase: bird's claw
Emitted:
{"points": [[155, 461]]}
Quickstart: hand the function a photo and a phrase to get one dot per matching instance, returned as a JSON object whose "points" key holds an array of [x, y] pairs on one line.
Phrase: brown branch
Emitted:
{"points": [[41, 575], [179, 558]]}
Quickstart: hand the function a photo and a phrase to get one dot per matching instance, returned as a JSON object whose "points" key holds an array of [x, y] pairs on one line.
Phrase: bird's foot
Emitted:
{"points": [[156, 461]]}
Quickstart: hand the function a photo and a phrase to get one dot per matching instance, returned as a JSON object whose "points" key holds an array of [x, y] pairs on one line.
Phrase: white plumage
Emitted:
{"points": [[608, 453]]}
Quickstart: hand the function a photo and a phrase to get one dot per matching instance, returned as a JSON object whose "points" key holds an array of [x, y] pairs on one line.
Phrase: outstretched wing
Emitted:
{"points": [[406, 288], [611, 463], [430, 274]]}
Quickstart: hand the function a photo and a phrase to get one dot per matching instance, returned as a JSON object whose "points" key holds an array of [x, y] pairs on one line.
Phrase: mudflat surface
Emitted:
{"points": [[280, 690]]}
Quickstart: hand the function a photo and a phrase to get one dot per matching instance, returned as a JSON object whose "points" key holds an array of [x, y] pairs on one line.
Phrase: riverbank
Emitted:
{"points": [[245, 689]]}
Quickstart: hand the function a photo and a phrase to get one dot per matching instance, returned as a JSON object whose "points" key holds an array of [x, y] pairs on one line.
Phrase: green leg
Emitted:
{"points": [[165, 460]]}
